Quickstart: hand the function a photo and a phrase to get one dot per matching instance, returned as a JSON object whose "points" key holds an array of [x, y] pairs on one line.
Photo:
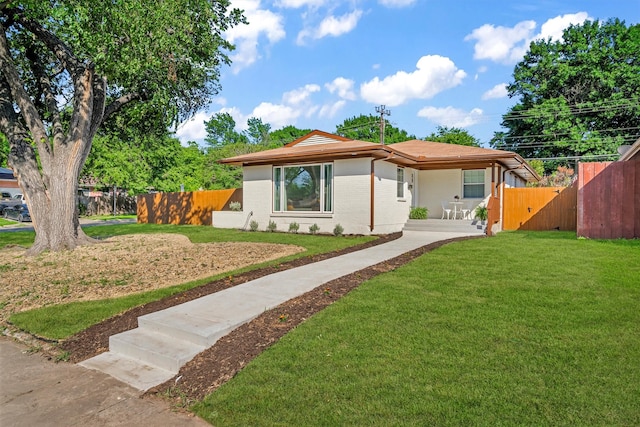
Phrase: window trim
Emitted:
{"points": [[400, 192], [466, 185], [321, 196]]}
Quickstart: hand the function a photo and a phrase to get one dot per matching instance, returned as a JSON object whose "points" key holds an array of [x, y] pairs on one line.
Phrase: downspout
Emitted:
{"points": [[372, 198]]}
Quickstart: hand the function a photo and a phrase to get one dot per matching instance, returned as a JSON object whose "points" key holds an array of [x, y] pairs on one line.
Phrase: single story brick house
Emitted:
{"points": [[367, 188]]}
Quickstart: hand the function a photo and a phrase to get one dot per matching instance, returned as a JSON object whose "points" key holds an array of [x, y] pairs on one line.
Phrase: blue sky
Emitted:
{"points": [[314, 63]]}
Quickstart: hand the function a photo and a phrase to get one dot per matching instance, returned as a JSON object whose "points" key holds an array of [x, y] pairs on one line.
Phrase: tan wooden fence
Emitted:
{"points": [[540, 208], [192, 208]]}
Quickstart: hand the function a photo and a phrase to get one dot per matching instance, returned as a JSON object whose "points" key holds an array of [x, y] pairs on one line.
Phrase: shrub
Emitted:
{"points": [[314, 229], [482, 212], [235, 206], [418, 213], [272, 226], [338, 230], [294, 227], [253, 225]]}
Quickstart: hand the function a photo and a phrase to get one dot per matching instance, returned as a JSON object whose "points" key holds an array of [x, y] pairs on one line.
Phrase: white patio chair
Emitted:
{"points": [[465, 211], [445, 209]]}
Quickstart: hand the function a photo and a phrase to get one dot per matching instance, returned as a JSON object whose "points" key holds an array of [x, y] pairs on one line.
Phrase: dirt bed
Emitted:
{"points": [[118, 266]]}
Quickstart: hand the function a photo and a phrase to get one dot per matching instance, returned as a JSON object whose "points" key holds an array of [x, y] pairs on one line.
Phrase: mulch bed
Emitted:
{"points": [[221, 362]]}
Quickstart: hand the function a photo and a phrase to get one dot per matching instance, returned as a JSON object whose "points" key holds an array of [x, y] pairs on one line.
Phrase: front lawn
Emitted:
{"points": [[62, 320], [526, 328]]}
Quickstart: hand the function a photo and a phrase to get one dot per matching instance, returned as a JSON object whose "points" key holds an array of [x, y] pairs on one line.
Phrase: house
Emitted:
{"points": [[8, 182], [367, 188]]}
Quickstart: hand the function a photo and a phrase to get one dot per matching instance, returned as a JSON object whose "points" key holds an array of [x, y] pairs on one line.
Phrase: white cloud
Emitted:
{"points": [[296, 4], [508, 45], [451, 117], [331, 26], [498, 91], [330, 110], [278, 115], [300, 95], [396, 3], [433, 74], [193, 129], [501, 44], [261, 22], [343, 87], [554, 27]]}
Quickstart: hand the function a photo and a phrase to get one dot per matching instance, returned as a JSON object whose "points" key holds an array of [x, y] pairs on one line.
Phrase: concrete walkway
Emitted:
{"points": [[166, 340], [36, 391]]}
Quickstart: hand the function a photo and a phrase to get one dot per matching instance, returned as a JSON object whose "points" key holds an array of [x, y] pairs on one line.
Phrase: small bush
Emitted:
{"points": [[314, 229], [272, 226], [253, 225], [418, 213], [482, 213], [235, 206], [294, 227], [338, 230]]}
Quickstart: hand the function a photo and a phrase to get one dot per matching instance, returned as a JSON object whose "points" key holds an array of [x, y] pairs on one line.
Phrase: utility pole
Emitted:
{"points": [[383, 112]]}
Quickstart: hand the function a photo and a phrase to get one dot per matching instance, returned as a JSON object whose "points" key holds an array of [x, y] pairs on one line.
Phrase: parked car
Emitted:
{"points": [[19, 213], [16, 200]]}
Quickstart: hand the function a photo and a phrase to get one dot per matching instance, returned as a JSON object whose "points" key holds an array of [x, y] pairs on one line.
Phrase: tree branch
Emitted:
{"points": [[117, 104], [20, 96], [53, 43], [22, 157], [45, 87]]}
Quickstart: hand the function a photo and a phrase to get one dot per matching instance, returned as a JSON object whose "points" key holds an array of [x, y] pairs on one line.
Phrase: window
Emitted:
{"points": [[303, 188], [277, 183], [400, 183], [473, 184]]}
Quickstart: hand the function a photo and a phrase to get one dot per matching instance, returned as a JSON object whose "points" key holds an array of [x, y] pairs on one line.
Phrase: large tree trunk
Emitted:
{"points": [[55, 216]]}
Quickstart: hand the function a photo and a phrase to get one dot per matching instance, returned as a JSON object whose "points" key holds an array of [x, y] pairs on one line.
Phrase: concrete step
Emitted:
{"points": [[189, 327], [138, 375], [154, 349], [445, 225]]}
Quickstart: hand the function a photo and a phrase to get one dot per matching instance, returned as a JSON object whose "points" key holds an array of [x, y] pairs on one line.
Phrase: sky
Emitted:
{"points": [[315, 63]]}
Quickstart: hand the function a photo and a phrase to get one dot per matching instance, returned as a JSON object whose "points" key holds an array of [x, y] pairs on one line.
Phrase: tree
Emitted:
{"points": [[221, 130], [367, 128], [286, 135], [68, 65], [4, 151], [579, 96], [257, 132], [453, 135]]}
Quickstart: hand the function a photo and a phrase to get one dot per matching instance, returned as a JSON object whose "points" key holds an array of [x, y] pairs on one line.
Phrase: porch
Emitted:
{"points": [[474, 226]]}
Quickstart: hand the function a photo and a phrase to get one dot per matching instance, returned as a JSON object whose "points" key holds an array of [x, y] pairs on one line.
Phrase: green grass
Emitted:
{"points": [[4, 222], [108, 217], [62, 321], [524, 328]]}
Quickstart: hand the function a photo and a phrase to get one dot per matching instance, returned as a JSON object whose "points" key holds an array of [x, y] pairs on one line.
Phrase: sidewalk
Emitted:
{"points": [[35, 391]]}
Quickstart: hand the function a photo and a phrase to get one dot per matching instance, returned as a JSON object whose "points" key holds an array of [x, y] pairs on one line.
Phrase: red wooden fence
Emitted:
{"points": [[609, 200]]}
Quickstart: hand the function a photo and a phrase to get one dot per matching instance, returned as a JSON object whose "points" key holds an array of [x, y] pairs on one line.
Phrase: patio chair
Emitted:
{"points": [[465, 211], [445, 209]]}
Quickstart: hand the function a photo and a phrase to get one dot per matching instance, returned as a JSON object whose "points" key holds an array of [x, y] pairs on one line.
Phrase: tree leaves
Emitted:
{"points": [[579, 96]]}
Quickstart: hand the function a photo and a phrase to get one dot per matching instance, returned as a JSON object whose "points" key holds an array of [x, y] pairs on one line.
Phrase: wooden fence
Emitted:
{"points": [[192, 208], [540, 208], [609, 200]]}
